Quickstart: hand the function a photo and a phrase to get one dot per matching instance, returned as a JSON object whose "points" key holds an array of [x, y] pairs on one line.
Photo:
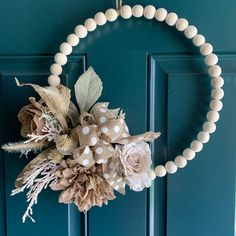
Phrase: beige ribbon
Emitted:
{"points": [[113, 173], [97, 132]]}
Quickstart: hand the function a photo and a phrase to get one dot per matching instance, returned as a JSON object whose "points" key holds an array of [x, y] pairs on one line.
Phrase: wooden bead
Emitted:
{"points": [[196, 146], [73, 39], [161, 14], [190, 32], [81, 31], [217, 82], [171, 19], [214, 71], [56, 69], [149, 12], [66, 48], [209, 127], [126, 12], [137, 11], [211, 59], [181, 24], [170, 167], [54, 80], [189, 154], [100, 18], [216, 105], [152, 174], [217, 93], [206, 49], [199, 40], [111, 14], [213, 116], [90, 24], [180, 162], [160, 171], [203, 137], [60, 58]]}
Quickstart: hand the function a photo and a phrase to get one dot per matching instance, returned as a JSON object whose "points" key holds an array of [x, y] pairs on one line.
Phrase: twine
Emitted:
{"points": [[118, 5]]}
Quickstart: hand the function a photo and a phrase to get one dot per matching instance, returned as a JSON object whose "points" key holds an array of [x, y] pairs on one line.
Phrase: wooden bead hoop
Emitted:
{"points": [[190, 32]]}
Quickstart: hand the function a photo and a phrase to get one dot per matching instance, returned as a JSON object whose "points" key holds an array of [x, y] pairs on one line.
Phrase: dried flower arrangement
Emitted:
{"points": [[86, 153]]}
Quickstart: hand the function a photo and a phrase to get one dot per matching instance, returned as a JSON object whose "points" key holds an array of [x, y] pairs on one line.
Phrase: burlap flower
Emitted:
{"points": [[29, 116], [136, 162], [83, 187]]}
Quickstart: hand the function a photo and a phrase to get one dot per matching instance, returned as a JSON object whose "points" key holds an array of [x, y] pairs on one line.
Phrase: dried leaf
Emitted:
{"points": [[73, 114], [115, 112], [74, 135], [36, 161], [56, 98], [23, 147], [88, 89]]}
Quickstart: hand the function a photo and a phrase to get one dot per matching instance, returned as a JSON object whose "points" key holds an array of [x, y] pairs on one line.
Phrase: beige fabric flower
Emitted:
{"points": [[29, 116], [136, 162], [83, 187]]}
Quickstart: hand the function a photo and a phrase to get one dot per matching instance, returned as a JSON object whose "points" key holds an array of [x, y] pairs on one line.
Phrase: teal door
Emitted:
{"points": [[159, 79]]}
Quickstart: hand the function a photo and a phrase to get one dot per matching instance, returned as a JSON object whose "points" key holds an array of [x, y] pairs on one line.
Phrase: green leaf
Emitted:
{"points": [[88, 89]]}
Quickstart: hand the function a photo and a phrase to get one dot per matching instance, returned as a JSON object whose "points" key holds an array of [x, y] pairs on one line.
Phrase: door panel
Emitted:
{"points": [[152, 72], [201, 196], [121, 73], [52, 214]]}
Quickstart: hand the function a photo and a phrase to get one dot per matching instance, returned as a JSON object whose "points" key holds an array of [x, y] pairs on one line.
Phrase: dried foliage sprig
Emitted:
{"points": [[38, 178], [51, 129], [23, 147]]}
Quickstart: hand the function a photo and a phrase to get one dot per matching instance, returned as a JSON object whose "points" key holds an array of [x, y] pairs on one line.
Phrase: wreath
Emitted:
{"points": [[85, 150]]}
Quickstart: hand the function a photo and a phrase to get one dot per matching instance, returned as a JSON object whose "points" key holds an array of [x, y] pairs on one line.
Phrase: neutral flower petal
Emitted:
{"points": [[83, 187], [136, 163]]}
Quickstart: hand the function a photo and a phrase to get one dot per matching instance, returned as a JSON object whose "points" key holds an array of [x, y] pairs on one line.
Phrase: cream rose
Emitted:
{"points": [[136, 161]]}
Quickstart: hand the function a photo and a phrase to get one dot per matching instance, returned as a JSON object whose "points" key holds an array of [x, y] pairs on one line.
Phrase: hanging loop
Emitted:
{"points": [[118, 5]]}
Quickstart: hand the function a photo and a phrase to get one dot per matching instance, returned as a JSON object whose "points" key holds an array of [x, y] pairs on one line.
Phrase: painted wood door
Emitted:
{"points": [[159, 79]]}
